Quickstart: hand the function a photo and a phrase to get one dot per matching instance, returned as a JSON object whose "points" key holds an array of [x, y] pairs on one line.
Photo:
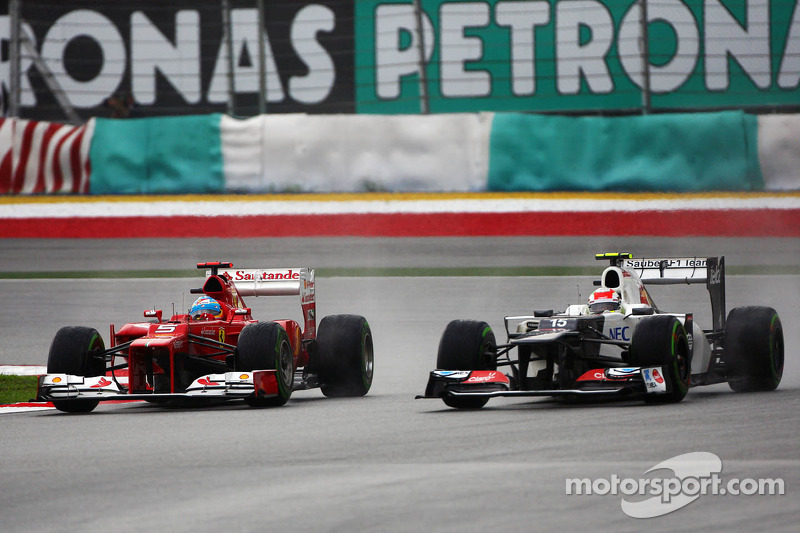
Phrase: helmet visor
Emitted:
{"points": [[599, 307]]}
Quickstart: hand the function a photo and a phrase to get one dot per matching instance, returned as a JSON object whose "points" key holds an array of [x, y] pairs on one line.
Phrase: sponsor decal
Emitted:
{"points": [[482, 378], [206, 381], [654, 380], [593, 375], [262, 275], [621, 373], [221, 335], [715, 276], [453, 374], [694, 262], [620, 333], [643, 297], [102, 383]]}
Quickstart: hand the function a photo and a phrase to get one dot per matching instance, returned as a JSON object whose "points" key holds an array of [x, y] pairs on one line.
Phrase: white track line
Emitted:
{"points": [[166, 208]]}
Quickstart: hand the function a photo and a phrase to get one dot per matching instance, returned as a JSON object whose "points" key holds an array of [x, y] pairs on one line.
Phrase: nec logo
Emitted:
{"points": [[620, 333]]}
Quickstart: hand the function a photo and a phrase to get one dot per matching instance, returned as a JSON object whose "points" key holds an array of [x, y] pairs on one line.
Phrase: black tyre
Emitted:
{"points": [[660, 340], [266, 346], [344, 359], [78, 351], [467, 345], [753, 349]]}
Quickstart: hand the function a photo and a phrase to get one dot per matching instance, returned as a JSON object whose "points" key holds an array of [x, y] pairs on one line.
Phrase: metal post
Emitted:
{"points": [[262, 68], [424, 107], [226, 32], [14, 60], [645, 47]]}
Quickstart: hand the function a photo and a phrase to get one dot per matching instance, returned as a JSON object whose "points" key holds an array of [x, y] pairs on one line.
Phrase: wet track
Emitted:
{"points": [[385, 462]]}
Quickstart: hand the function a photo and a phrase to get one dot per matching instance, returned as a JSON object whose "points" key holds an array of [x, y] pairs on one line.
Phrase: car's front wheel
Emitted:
{"points": [[467, 345], [76, 350], [660, 340], [266, 346]]}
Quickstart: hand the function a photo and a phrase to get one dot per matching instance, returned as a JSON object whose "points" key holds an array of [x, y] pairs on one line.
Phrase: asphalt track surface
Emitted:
{"points": [[385, 462]]}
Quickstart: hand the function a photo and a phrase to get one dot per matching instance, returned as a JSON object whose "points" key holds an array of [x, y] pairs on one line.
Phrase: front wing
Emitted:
{"points": [[602, 382], [230, 385]]}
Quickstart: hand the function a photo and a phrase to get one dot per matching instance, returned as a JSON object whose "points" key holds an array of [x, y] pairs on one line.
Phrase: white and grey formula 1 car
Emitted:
{"points": [[620, 344]]}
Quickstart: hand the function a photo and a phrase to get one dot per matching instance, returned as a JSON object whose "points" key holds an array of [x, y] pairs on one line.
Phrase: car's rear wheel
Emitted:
{"points": [[266, 346], [753, 349], [467, 345], [76, 350], [345, 359], [660, 340]]}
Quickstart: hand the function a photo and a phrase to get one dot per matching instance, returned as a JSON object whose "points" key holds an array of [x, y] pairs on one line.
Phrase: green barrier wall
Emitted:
{"points": [[161, 155], [680, 153]]}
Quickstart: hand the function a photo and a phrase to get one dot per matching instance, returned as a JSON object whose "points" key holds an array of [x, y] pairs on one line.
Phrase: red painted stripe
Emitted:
{"points": [[18, 179], [5, 165], [5, 172], [712, 223], [75, 162], [58, 173], [44, 144]]}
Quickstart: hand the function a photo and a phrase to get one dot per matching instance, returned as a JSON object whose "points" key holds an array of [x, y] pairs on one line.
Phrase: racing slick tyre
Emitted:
{"points": [[344, 359], [78, 351], [660, 340], [467, 345], [266, 346], [753, 349]]}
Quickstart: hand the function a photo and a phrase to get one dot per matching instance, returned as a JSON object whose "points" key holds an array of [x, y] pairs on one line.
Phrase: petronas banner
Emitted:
{"points": [[577, 55], [146, 58]]}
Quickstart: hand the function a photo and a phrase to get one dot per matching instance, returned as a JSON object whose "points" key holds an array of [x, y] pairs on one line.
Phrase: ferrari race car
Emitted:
{"points": [[619, 345], [218, 353]]}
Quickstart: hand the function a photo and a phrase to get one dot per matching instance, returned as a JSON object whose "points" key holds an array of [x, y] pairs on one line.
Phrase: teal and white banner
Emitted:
{"points": [[459, 152]]}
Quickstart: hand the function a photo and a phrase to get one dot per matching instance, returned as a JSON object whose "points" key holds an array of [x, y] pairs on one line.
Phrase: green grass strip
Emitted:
{"points": [[388, 272], [15, 389]]}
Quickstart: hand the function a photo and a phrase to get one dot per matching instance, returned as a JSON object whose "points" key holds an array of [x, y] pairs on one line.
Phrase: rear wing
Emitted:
{"points": [[269, 282], [677, 271], [273, 282]]}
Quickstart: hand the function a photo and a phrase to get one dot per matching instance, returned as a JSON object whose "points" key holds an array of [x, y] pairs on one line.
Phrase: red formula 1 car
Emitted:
{"points": [[218, 353]]}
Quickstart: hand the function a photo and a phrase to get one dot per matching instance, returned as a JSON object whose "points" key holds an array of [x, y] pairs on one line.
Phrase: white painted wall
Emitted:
{"points": [[347, 153], [779, 151]]}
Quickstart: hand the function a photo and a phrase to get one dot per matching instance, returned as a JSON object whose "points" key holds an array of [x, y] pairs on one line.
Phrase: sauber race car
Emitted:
{"points": [[618, 345], [217, 351]]}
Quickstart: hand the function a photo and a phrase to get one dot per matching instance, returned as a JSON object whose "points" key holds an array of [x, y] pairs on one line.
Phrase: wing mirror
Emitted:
{"points": [[152, 313]]}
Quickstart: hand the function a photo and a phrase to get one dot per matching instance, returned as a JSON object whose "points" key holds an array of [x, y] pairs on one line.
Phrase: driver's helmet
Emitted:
{"points": [[205, 307], [604, 300]]}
